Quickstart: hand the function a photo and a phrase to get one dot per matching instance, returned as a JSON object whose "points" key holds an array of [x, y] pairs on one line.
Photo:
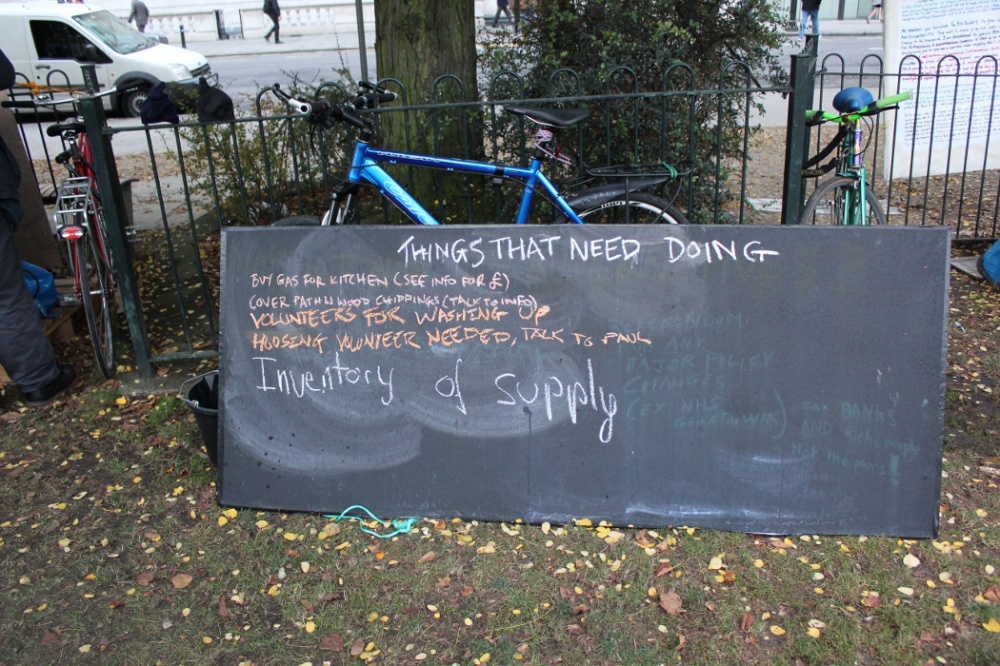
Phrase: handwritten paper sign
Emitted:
{"points": [[946, 127], [758, 379]]}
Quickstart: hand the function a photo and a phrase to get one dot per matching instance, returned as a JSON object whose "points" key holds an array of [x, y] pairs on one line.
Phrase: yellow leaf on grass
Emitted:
{"points": [[716, 563], [223, 521], [584, 522], [911, 560], [992, 626], [777, 631], [290, 536], [230, 514], [813, 632], [310, 627]]}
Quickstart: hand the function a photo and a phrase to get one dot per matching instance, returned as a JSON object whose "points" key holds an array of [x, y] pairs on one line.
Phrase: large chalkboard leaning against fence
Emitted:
{"points": [[761, 379]]}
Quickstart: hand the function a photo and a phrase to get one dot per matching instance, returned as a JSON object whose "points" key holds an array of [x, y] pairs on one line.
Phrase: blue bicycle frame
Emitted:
{"points": [[365, 169]]}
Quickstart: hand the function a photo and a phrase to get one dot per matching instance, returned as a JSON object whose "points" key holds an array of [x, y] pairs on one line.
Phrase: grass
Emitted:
{"points": [[114, 551]]}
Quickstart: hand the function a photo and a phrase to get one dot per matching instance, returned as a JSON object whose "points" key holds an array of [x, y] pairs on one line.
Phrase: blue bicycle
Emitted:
{"points": [[618, 198]]}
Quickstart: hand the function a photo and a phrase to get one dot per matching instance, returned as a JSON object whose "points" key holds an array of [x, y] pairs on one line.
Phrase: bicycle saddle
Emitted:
{"points": [[550, 117], [58, 130], [850, 100]]}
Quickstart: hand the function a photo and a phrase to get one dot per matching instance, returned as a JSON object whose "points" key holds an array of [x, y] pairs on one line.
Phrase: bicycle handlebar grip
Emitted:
{"points": [[14, 104], [892, 99]]}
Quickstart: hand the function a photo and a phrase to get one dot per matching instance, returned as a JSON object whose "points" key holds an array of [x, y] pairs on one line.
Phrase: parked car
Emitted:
{"points": [[47, 43]]}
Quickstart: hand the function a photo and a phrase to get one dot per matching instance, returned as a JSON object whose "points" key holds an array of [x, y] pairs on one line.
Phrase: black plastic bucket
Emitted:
{"points": [[203, 399]]}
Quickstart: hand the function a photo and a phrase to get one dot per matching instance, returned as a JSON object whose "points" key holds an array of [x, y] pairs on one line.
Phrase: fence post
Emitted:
{"points": [[113, 207], [803, 81]]}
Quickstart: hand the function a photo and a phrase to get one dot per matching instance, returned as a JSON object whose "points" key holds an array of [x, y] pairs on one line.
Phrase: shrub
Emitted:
{"points": [[577, 48]]}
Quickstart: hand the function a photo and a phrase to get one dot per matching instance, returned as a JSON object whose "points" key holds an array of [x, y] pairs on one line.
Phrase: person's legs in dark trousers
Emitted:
{"points": [[273, 30], [25, 352]]}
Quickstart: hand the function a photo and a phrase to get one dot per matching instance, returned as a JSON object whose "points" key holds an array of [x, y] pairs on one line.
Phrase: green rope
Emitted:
{"points": [[401, 525]]}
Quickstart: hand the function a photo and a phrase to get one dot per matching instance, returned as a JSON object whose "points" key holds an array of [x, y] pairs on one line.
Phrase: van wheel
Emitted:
{"points": [[131, 101]]}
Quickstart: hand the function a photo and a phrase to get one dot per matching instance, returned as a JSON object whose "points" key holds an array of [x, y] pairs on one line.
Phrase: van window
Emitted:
{"points": [[58, 41], [114, 32]]}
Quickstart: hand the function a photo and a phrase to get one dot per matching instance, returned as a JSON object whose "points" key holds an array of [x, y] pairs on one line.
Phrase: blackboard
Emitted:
{"points": [[759, 379]]}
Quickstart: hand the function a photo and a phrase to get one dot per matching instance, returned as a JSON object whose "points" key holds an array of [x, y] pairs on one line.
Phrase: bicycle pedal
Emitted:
{"points": [[68, 299]]}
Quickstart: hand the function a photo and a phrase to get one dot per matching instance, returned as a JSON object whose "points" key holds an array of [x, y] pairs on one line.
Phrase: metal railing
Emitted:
{"points": [[261, 167]]}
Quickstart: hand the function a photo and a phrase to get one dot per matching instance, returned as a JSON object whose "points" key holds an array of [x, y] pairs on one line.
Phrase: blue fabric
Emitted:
{"points": [[989, 265], [42, 287]]}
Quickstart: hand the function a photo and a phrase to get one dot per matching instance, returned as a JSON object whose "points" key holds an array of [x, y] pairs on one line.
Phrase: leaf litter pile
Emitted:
{"points": [[114, 551]]}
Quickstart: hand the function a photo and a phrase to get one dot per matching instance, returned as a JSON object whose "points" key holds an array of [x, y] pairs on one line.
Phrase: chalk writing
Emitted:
{"points": [[299, 383], [557, 393]]}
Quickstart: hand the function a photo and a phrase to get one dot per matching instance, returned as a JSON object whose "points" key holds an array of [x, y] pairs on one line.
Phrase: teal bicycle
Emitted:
{"points": [[846, 199]]}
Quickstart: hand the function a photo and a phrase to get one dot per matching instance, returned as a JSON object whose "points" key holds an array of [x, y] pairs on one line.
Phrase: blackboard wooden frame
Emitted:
{"points": [[759, 379]]}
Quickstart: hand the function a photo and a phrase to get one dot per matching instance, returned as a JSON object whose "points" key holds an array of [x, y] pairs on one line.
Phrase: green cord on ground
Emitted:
{"points": [[401, 525]]}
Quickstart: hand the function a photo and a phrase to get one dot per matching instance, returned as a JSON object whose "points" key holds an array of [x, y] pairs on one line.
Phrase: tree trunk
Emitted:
{"points": [[417, 41]]}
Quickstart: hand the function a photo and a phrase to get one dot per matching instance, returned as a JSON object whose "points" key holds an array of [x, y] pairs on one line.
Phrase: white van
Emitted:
{"points": [[46, 40]]}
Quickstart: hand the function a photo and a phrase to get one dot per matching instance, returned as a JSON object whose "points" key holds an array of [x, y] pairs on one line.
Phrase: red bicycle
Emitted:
{"points": [[80, 222]]}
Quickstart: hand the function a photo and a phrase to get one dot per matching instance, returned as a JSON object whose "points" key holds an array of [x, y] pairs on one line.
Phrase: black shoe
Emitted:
{"points": [[51, 391], [267, 37], [277, 42]]}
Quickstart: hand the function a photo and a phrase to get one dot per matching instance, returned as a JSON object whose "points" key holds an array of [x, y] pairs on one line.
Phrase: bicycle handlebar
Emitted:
{"points": [[36, 102], [817, 116], [323, 113]]}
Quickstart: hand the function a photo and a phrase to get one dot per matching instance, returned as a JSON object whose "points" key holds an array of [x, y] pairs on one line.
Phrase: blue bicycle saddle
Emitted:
{"points": [[849, 100]]}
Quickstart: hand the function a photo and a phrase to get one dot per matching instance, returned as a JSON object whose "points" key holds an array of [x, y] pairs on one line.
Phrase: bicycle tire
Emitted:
{"points": [[825, 205], [97, 299], [635, 208]]}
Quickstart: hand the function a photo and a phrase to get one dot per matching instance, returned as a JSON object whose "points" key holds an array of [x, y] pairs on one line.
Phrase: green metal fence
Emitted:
{"points": [[269, 165]]}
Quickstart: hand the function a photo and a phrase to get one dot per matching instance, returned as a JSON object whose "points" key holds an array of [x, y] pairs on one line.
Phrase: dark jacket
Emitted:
{"points": [[213, 104], [810, 5], [158, 108], [10, 173], [272, 9]]}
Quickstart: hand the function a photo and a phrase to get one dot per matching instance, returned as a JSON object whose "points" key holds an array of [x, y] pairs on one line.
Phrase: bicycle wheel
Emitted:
{"points": [[98, 300], [635, 208], [835, 203]]}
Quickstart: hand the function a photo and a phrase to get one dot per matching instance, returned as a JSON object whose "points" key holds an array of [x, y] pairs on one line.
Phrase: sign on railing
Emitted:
{"points": [[758, 379]]}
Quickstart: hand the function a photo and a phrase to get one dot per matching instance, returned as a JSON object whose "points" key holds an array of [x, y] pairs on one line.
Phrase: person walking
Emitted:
{"points": [[273, 11], [810, 10], [502, 6], [876, 11], [25, 351], [141, 15]]}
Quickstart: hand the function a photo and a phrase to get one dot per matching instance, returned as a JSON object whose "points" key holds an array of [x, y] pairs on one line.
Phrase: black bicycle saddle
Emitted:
{"points": [[550, 117]]}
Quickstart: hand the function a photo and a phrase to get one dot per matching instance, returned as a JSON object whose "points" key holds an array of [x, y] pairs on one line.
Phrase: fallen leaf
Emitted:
{"points": [[747, 621], [332, 642], [871, 601], [992, 594], [181, 580], [144, 579], [911, 560], [357, 647], [992, 626], [664, 569], [671, 603], [428, 557], [777, 631]]}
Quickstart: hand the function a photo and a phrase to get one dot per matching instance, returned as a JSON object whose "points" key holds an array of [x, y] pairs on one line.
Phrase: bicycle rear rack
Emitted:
{"points": [[74, 197]]}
